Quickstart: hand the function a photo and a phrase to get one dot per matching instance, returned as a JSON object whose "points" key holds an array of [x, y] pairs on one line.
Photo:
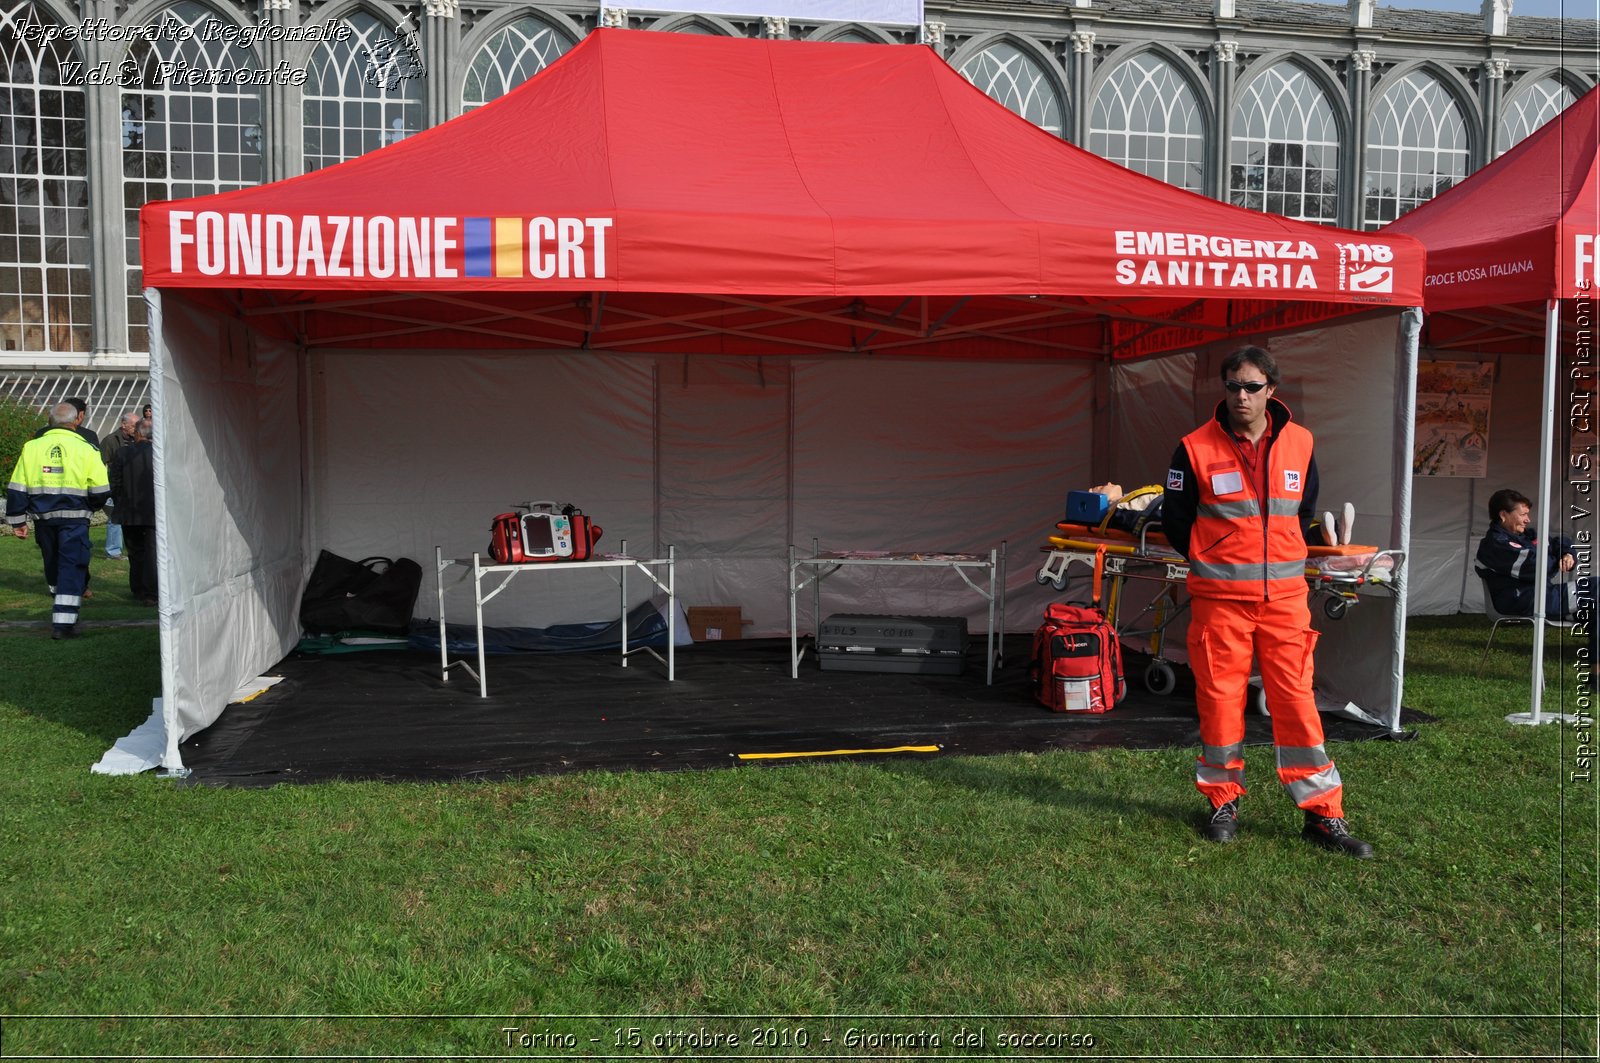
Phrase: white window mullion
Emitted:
{"points": [[513, 55], [45, 286]]}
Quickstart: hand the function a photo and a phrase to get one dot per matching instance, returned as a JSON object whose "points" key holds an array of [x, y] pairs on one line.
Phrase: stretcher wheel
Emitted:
{"points": [[1042, 579], [1060, 582], [1334, 607], [1160, 679]]}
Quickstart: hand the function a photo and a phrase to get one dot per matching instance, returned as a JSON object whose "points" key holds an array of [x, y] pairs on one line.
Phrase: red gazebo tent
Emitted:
{"points": [[858, 215], [1506, 249], [649, 190]]}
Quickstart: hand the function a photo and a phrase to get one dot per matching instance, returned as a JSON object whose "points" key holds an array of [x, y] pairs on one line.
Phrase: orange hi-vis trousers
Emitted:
{"points": [[1224, 634]]}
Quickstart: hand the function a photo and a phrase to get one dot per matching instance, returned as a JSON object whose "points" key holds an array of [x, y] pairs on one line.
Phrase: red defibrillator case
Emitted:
{"points": [[542, 531]]}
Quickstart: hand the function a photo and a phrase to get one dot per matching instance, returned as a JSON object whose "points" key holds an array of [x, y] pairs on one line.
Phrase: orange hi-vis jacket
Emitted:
{"points": [[1243, 546]]}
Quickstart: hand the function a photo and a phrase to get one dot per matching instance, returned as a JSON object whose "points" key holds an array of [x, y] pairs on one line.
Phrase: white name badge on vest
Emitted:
{"points": [[1291, 481], [1227, 483]]}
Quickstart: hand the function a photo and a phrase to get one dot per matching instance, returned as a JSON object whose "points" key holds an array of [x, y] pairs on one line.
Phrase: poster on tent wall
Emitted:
{"points": [[891, 12], [1453, 418]]}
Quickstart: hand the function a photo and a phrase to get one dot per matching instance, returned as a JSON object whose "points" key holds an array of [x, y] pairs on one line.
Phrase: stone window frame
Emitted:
{"points": [[1178, 70], [1309, 153], [346, 68], [46, 278], [175, 168], [1043, 91]]}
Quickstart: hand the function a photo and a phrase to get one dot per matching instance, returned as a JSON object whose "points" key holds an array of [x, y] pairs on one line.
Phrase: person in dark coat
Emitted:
{"points": [[1508, 559], [108, 452], [133, 485], [82, 407]]}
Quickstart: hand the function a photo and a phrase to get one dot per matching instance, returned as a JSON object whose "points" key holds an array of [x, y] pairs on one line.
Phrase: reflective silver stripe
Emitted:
{"points": [[1516, 566], [68, 492], [1302, 757], [62, 514], [1209, 776], [68, 599], [1220, 755], [17, 485], [1230, 510], [1250, 573], [64, 618], [1303, 790], [1287, 569], [1283, 507]]}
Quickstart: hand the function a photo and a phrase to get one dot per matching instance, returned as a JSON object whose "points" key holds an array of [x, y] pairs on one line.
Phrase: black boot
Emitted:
{"points": [[1332, 834], [1224, 822], [64, 631]]}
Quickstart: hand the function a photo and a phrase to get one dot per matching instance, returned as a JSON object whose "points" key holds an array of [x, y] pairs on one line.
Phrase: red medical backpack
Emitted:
{"points": [[1077, 661]]}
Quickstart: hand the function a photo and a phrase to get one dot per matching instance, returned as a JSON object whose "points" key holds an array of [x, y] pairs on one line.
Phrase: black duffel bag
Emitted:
{"points": [[374, 594]]}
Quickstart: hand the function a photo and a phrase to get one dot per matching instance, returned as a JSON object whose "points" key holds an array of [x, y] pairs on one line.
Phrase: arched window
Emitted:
{"points": [[510, 57], [44, 192], [1532, 108], [361, 93], [1416, 147], [1146, 117], [853, 37], [1011, 76], [1285, 150], [184, 137]]}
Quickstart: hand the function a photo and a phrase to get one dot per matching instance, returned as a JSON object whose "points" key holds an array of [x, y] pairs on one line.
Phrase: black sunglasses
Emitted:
{"points": [[1236, 386]]}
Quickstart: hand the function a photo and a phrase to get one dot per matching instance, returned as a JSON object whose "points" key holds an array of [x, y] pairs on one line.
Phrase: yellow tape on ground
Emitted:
{"points": [[839, 752]]}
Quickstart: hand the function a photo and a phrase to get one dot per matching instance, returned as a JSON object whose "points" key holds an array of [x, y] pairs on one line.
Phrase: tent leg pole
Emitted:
{"points": [[794, 636], [816, 603], [622, 581], [477, 598], [1541, 575], [1000, 648], [672, 612], [1404, 474], [438, 585], [988, 637]]}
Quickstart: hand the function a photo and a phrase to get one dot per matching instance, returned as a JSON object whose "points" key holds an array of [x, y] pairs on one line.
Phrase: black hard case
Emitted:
{"points": [[921, 645]]}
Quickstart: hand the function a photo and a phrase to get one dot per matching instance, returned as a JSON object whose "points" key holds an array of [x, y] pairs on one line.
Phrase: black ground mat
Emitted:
{"points": [[387, 715]]}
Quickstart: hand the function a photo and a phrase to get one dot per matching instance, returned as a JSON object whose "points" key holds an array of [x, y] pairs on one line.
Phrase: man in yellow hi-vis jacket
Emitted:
{"points": [[59, 481], [1239, 497]]}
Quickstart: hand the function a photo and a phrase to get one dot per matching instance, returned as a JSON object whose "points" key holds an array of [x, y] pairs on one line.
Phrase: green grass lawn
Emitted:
{"points": [[1046, 897]]}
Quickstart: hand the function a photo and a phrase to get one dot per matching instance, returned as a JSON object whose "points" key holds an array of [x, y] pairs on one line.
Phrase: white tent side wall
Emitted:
{"points": [[229, 518], [943, 456], [727, 459], [1344, 382], [422, 450], [1451, 513], [1151, 401]]}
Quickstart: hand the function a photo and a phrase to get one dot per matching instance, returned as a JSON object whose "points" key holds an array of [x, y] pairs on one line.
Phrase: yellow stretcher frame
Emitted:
{"points": [[1121, 560]]}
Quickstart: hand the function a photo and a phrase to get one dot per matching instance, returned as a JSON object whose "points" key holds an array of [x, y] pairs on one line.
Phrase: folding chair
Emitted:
{"points": [[1502, 618]]}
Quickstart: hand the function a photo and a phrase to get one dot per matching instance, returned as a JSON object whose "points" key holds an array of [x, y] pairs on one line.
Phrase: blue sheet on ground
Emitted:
{"points": [[646, 627]]}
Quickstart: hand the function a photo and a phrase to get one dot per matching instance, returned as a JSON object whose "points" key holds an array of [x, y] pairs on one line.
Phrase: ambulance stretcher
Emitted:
{"points": [[1336, 574]]}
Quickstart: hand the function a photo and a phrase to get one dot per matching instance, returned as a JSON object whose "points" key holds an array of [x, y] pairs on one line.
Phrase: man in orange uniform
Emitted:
{"points": [[1239, 498]]}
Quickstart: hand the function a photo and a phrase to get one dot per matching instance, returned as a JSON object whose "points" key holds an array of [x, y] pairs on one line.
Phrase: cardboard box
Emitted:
{"points": [[714, 623]]}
